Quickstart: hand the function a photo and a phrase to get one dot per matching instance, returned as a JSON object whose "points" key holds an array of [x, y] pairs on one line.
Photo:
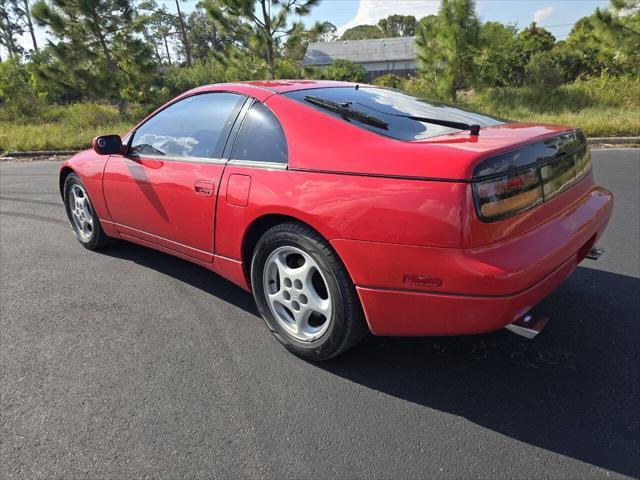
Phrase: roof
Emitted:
{"points": [[361, 51], [281, 86], [267, 87]]}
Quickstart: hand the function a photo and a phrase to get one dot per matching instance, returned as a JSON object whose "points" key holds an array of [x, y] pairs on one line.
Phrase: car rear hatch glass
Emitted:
{"points": [[390, 113]]}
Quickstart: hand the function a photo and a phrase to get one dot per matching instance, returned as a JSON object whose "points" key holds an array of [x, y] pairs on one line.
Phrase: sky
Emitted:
{"points": [[557, 16]]}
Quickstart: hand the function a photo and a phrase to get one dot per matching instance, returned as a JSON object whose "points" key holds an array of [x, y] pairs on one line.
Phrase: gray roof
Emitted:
{"points": [[361, 51]]}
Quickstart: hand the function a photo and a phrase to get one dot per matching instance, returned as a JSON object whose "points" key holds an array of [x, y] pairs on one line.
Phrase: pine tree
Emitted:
{"points": [[268, 20], [22, 11], [447, 45], [97, 48], [9, 31]]}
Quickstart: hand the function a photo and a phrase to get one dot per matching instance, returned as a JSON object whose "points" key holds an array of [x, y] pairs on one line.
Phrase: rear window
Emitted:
{"points": [[393, 108]]}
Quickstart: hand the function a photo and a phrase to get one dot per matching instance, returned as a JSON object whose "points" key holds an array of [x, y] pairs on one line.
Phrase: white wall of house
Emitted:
{"points": [[390, 66]]}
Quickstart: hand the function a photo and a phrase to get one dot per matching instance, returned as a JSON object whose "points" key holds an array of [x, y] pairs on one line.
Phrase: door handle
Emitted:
{"points": [[204, 188]]}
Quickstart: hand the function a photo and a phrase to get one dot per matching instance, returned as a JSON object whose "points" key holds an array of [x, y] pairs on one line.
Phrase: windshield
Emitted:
{"points": [[393, 108]]}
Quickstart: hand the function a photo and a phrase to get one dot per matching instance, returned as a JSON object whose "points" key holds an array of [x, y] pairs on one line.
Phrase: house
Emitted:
{"points": [[378, 56]]}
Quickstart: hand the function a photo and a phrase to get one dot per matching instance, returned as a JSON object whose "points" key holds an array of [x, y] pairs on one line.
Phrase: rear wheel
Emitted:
{"points": [[304, 293], [82, 216]]}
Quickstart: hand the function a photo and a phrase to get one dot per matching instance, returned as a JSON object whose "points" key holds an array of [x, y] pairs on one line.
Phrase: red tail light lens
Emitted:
{"points": [[514, 181], [508, 194]]}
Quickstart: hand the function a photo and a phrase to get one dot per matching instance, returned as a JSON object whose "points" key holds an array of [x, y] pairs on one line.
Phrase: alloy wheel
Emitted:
{"points": [[81, 212], [297, 293]]}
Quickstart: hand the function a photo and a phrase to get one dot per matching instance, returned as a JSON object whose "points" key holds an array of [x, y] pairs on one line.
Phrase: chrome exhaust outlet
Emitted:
{"points": [[528, 326], [595, 253]]}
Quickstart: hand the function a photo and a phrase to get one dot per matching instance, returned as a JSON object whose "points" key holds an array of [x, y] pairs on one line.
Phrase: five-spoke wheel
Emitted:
{"points": [[304, 293], [81, 213], [82, 216], [297, 292]]}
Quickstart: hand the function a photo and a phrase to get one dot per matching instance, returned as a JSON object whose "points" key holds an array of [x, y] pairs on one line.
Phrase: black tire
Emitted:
{"points": [[347, 325], [97, 238]]}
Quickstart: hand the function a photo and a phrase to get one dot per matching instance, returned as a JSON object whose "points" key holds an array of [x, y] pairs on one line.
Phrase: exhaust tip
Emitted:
{"points": [[594, 253], [528, 326]]}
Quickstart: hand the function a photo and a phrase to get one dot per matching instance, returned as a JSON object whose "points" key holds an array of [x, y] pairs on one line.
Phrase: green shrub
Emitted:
{"points": [[543, 73], [14, 81], [138, 111], [345, 70], [609, 90], [180, 79], [17, 97], [389, 80], [288, 69], [423, 87]]}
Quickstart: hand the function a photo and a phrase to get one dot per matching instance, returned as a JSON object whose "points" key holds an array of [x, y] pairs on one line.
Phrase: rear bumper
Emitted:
{"points": [[482, 289], [405, 313]]}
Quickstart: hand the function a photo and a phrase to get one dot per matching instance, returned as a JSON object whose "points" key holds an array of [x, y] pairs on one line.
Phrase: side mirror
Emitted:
{"points": [[107, 145]]}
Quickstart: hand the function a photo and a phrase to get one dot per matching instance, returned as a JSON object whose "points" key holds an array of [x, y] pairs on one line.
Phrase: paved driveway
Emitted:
{"points": [[132, 363]]}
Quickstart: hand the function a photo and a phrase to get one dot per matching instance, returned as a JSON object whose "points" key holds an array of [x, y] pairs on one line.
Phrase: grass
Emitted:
{"points": [[53, 136], [61, 127], [603, 106]]}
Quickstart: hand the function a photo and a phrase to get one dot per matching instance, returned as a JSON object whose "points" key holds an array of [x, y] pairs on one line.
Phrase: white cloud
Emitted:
{"points": [[371, 11], [542, 14]]}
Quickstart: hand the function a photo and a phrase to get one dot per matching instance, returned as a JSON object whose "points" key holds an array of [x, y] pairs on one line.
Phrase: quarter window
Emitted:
{"points": [[196, 126], [261, 137]]}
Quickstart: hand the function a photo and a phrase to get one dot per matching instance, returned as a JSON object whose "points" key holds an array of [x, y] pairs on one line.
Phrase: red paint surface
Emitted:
{"points": [[238, 187], [420, 223], [157, 201]]}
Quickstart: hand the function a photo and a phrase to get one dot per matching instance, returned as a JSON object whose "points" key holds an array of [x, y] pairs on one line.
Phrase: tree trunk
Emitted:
{"points": [[11, 46], [153, 43], [32, 32], [271, 61], [183, 31], [166, 47], [268, 35]]}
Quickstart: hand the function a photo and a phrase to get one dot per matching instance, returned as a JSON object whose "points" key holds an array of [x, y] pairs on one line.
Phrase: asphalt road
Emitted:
{"points": [[132, 363]]}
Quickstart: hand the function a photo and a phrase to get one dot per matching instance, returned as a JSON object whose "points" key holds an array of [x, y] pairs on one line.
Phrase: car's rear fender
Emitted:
{"points": [[374, 209]]}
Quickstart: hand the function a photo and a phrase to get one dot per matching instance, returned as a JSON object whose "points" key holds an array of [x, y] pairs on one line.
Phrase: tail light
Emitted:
{"points": [[516, 181], [559, 175], [507, 195]]}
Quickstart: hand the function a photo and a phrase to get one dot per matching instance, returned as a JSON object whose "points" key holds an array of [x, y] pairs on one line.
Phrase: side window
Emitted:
{"points": [[261, 137], [193, 127]]}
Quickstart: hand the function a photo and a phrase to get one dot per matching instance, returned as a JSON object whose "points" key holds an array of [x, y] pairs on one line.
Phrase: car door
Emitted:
{"points": [[164, 190]]}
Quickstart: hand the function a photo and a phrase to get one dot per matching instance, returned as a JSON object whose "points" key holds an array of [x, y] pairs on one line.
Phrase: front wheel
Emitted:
{"points": [[82, 216], [304, 293]]}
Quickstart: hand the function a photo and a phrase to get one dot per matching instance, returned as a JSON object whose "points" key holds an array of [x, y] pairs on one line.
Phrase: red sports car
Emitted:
{"points": [[348, 208]]}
